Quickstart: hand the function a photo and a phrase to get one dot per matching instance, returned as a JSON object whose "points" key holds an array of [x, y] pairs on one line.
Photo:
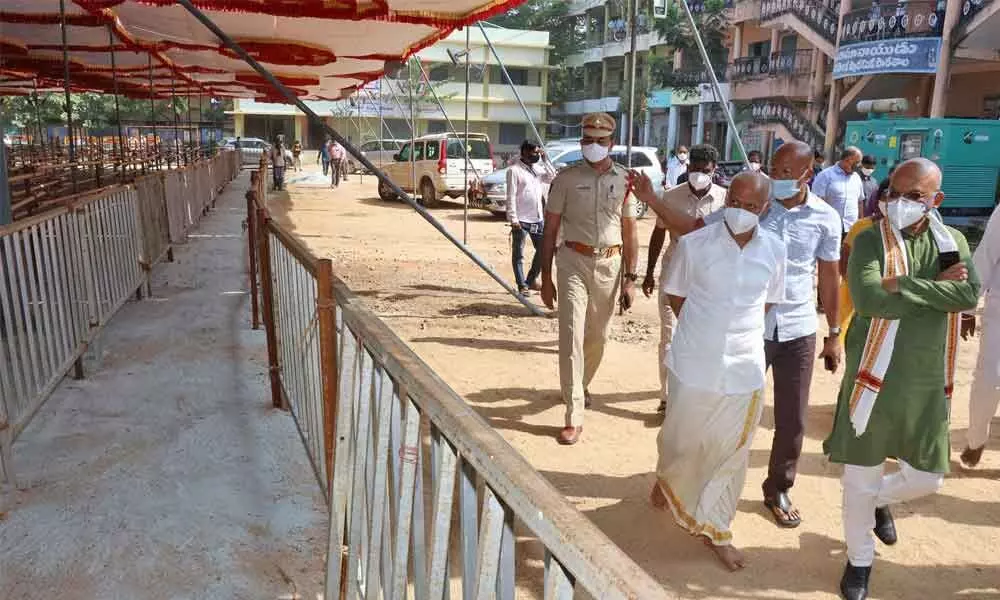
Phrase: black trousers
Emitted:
{"points": [[792, 364]]}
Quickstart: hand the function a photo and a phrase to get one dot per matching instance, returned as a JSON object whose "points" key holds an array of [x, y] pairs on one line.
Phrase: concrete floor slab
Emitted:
{"points": [[165, 474]]}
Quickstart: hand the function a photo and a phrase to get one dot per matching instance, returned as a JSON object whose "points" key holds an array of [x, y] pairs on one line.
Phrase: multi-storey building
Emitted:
{"points": [[383, 106], [801, 66], [783, 74], [683, 113]]}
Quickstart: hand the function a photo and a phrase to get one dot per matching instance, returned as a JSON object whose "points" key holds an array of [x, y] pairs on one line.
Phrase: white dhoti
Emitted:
{"points": [[666, 336], [704, 449], [985, 393]]}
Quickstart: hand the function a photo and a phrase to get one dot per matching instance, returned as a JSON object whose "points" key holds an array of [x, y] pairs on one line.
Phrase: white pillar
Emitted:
{"points": [[730, 136], [646, 126], [699, 128], [673, 123]]}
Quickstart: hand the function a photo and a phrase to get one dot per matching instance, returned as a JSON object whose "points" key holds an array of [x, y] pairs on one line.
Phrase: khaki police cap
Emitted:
{"points": [[598, 125]]}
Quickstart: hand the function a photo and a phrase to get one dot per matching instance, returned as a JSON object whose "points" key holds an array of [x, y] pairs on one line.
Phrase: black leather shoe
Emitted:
{"points": [[885, 526], [854, 583]]}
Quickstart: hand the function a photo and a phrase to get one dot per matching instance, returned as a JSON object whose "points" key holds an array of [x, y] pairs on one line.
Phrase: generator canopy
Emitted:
{"points": [[321, 49]]}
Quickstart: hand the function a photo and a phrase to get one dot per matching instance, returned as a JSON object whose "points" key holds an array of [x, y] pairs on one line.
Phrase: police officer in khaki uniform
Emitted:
{"points": [[591, 205]]}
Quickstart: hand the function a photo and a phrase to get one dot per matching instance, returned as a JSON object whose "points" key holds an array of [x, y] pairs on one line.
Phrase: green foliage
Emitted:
{"points": [[97, 111], [564, 37], [675, 31]]}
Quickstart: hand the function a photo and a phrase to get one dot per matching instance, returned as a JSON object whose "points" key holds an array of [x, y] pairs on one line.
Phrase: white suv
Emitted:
{"points": [[438, 165], [644, 160]]}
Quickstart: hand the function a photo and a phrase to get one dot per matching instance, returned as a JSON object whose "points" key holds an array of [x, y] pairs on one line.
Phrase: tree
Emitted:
{"points": [[564, 36], [674, 30]]}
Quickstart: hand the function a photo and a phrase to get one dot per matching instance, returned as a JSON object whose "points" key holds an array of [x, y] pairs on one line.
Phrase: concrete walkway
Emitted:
{"points": [[165, 474]]}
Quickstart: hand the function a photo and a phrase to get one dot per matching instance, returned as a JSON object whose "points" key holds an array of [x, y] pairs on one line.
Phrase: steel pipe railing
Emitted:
{"points": [[385, 435]]}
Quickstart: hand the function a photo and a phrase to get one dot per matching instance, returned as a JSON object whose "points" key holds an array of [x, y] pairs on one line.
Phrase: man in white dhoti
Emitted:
{"points": [[985, 393], [721, 281]]}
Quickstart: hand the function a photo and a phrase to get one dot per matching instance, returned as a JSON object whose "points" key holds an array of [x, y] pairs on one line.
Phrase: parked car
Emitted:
{"points": [[251, 149], [438, 165], [381, 152], [494, 196]]}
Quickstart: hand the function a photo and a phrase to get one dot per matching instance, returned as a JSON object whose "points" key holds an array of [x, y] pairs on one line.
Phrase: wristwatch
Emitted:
{"points": [[834, 332], [633, 277]]}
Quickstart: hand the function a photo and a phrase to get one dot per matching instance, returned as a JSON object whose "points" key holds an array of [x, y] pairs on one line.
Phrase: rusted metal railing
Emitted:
{"points": [[381, 428], [66, 272]]}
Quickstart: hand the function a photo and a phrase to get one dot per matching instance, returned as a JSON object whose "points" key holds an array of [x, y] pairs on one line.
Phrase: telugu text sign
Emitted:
{"points": [[917, 55]]}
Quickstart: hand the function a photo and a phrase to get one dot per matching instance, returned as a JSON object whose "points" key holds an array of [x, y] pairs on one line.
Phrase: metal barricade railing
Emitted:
{"points": [[381, 428], [63, 275]]}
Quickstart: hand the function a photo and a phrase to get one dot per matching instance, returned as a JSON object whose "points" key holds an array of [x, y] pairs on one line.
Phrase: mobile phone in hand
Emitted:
{"points": [[946, 260]]}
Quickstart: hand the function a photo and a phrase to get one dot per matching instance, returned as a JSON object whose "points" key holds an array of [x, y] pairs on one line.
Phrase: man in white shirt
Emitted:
{"points": [[527, 186], [985, 393], [697, 197], [278, 162], [842, 187], [811, 229], [677, 165], [720, 283]]}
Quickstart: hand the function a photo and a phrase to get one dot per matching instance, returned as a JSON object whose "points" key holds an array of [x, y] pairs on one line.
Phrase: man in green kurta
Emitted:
{"points": [[907, 277]]}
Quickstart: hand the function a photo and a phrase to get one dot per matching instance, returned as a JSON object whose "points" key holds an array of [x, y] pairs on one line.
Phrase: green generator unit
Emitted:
{"points": [[967, 150]]}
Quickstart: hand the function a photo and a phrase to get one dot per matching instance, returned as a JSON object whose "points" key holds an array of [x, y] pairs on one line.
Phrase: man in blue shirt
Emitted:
{"points": [[811, 230], [842, 187]]}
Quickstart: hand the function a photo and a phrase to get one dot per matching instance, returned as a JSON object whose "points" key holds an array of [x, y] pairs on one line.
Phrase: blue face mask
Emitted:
{"points": [[783, 189]]}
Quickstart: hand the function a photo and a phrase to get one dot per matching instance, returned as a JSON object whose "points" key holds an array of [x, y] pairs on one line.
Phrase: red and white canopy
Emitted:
{"points": [[322, 49]]}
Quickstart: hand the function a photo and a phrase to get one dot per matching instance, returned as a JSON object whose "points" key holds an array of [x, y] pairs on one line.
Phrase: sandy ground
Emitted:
{"points": [[503, 361], [165, 474]]}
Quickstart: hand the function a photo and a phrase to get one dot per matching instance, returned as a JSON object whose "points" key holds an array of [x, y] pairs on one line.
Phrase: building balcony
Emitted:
{"points": [[820, 17], [914, 19], [608, 104], [745, 10], [689, 78], [780, 74], [970, 9], [698, 6], [579, 7]]}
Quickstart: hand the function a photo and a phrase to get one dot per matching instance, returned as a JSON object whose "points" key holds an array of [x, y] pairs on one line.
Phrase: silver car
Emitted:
{"points": [[251, 149]]}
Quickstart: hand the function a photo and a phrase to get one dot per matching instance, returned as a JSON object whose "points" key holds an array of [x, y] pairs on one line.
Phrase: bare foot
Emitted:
{"points": [[731, 557], [970, 456], [657, 497]]}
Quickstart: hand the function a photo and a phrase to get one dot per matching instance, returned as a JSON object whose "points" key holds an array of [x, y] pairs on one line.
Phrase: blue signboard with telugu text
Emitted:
{"points": [[913, 55]]}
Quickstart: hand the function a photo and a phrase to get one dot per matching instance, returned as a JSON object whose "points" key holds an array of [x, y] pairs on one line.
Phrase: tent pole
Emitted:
{"points": [[715, 83], [517, 96], [66, 87], [451, 126], [413, 132], [6, 211], [152, 112], [118, 115], [633, 29], [383, 178], [468, 163]]}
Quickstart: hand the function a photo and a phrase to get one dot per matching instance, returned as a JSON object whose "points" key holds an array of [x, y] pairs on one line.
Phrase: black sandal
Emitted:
{"points": [[781, 509]]}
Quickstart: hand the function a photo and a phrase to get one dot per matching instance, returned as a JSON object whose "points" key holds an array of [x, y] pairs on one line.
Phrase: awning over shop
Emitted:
{"points": [[322, 49]]}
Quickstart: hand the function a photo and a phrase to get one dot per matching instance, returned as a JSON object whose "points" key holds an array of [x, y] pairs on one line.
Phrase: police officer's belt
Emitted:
{"points": [[586, 250]]}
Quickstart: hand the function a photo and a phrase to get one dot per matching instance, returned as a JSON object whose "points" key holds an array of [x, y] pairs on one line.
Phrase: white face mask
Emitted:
{"points": [[683, 157], [699, 181], [867, 172], [739, 220], [595, 153], [755, 166], [902, 212]]}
